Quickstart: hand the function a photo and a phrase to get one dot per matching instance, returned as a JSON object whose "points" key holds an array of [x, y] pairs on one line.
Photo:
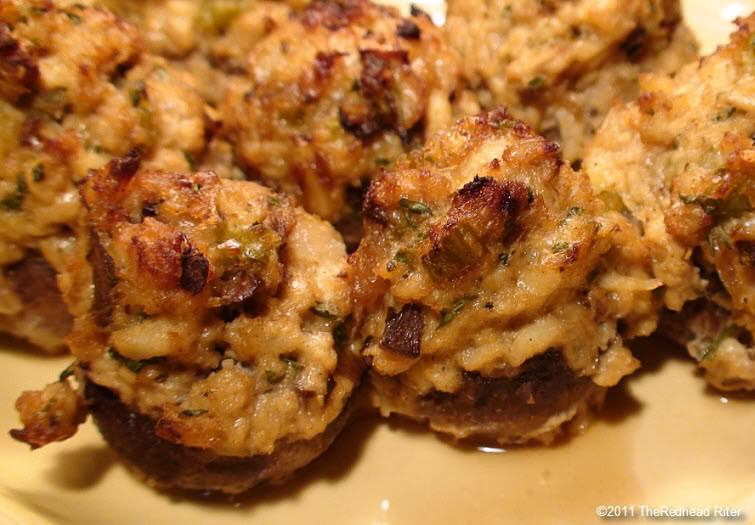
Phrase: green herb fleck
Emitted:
{"points": [[340, 334], [131, 364], [38, 173], [189, 160], [403, 257], [709, 205], [12, 201], [456, 307], [613, 201], [537, 82], [196, 187], [573, 212], [710, 352], [504, 258], [137, 93], [73, 17], [560, 247], [415, 206], [716, 237], [193, 412], [320, 310], [382, 162], [274, 377], [292, 363], [66, 373], [724, 114]]}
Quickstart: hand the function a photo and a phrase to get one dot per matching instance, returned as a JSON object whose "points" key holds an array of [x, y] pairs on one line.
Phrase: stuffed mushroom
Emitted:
{"points": [[75, 91], [494, 289], [212, 330], [681, 161]]}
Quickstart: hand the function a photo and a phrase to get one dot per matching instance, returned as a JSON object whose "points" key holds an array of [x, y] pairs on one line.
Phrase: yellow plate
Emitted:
{"points": [[663, 440]]}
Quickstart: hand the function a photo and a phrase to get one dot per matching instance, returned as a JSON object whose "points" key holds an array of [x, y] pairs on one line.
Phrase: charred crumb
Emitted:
{"points": [[374, 210], [416, 11], [409, 30], [126, 166], [194, 270], [331, 15], [324, 63], [403, 331], [635, 44], [103, 275]]}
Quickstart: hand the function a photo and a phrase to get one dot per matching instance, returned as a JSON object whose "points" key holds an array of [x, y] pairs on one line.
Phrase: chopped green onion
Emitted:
{"points": [[710, 352], [415, 206], [193, 412]]}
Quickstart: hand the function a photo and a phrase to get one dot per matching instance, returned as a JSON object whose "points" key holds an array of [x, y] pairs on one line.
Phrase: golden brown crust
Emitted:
{"points": [[213, 307], [76, 90], [333, 94], [167, 465], [560, 65], [681, 159], [482, 253], [51, 414]]}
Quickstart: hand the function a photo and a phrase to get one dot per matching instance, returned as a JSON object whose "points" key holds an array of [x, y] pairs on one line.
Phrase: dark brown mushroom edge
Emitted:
{"points": [[212, 331], [493, 288]]}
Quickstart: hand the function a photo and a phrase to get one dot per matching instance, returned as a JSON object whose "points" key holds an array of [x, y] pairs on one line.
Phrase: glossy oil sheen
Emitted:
{"points": [[664, 439]]}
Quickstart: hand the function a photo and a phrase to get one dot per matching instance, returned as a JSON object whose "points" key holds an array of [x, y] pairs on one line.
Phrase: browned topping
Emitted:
{"points": [[324, 63], [332, 15], [635, 43], [48, 415], [194, 270], [103, 276], [236, 287], [403, 331], [409, 30], [483, 207], [373, 209], [19, 73], [356, 118], [126, 166], [746, 251], [416, 11]]}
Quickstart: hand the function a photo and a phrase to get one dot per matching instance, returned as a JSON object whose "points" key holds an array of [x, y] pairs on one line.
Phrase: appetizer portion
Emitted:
{"points": [[75, 91], [490, 284], [333, 94], [559, 65], [681, 162], [209, 38], [211, 332]]}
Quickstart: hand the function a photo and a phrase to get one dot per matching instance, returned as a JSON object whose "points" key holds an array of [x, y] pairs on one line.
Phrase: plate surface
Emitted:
{"points": [[664, 439]]}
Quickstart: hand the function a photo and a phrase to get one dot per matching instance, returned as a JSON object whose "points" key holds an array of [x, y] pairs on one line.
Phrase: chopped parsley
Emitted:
{"points": [[320, 311], [724, 114], [12, 201], [560, 247], [274, 377], [710, 351], [133, 365], [38, 173], [456, 307], [193, 412], [66, 373], [189, 160], [415, 206]]}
